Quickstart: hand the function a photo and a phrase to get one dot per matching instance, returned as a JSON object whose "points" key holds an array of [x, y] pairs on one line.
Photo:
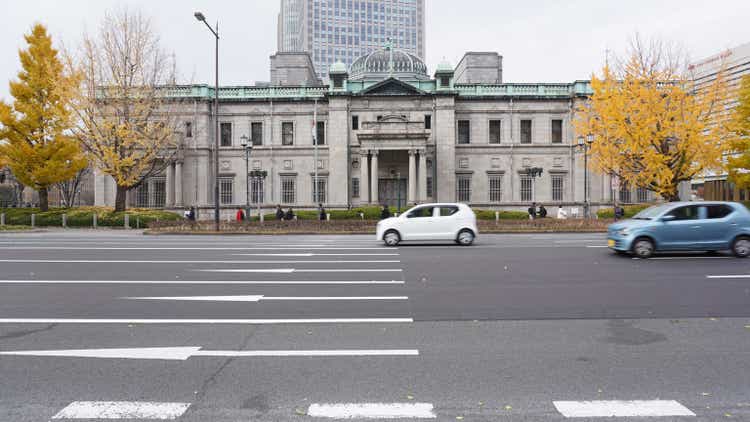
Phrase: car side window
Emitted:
{"points": [[421, 212], [719, 211], [448, 211], [689, 212]]}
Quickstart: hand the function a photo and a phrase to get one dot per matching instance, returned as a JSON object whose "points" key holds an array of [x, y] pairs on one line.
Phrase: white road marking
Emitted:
{"points": [[122, 410], [257, 298], [184, 353], [309, 254], [296, 270], [139, 261], [202, 321], [372, 410], [249, 282], [617, 408], [687, 257], [729, 276], [597, 246], [176, 248]]}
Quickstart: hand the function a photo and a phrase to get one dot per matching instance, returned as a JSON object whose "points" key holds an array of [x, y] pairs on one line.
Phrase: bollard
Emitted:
{"points": [[126, 221], [361, 216], [497, 217], [2, 219], [328, 216], [33, 220], [94, 218], [262, 218], [138, 222], [295, 218], [65, 220]]}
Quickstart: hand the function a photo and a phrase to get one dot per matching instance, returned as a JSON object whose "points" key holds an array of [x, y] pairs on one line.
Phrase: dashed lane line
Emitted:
{"points": [[218, 282], [618, 408], [372, 410], [122, 410], [258, 298], [170, 261], [204, 321]]}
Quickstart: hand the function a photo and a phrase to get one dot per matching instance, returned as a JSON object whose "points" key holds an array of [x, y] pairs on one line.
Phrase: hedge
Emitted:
{"points": [[373, 213], [83, 216]]}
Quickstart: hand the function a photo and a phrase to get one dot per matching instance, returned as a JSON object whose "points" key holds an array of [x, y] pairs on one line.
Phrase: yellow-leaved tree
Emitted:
{"points": [[739, 162], [651, 127], [127, 124], [36, 141]]}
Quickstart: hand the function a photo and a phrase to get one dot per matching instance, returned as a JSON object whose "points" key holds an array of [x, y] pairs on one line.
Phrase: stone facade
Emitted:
{"points": [[395, 140]]}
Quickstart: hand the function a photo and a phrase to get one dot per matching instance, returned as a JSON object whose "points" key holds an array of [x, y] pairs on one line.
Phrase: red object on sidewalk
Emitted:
{"points": [[240, 215]]}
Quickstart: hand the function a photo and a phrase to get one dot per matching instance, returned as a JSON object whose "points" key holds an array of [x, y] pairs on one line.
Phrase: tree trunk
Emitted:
{"points": [[43, 200], [120, 198]]}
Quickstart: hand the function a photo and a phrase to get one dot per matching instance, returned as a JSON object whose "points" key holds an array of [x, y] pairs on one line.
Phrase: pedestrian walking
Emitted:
{"points": [[532, 211], [385, 213], [542, 211], [321, 212], [279, 213]]}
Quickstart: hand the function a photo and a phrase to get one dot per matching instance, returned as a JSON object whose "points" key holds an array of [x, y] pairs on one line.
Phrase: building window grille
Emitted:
{"points": [[429, 187], [495, 131], [642, 195], [287, 133], [226, 134], [355, 187], [355, 122], [152, 193], [557, 131], [557, 188], [320, 133], [625, 194], [525, 131], [495, 184], [288, 189], [464, 131], [226, 190], [319, 189], [257, 190], [463, 188], [256, 133], [141, 195], [527, 189], [158, 193]]}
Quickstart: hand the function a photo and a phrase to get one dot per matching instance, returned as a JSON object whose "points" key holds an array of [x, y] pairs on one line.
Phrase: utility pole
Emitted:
{"points": [[315, 152]]}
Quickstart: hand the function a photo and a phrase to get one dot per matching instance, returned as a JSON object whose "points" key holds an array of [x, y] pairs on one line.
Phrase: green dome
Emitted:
{"points": [[337, 67]]}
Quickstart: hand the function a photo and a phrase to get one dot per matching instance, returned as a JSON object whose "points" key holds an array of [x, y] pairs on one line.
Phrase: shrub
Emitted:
{"points": [[504, 215], [83, 216], [630, 210]]}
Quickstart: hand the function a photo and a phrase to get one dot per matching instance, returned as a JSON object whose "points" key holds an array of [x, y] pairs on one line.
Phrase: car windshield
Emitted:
{"points": [[651, 212]]}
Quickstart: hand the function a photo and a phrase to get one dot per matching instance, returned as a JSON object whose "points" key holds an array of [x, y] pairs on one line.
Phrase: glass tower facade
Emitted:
{"points": [[342, 30]]}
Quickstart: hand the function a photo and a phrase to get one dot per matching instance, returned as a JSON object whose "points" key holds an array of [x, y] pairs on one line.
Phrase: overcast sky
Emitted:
{"points": [[540, 41]]}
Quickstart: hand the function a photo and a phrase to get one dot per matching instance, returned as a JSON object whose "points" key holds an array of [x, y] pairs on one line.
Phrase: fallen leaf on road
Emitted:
{"points": [[729, 415], [460, 418], [508, 407], [481, 403], [748, 327], [713, 319], [599, 390], [410, 397], [300, 412], [705, 394]]}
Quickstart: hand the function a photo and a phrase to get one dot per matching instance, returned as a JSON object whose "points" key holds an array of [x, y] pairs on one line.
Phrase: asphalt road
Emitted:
{"points": [[274, 328]]}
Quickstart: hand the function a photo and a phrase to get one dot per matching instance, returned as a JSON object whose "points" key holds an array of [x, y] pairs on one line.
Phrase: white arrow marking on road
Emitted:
{"points": [[256, 298], [248, 282], [183, 353]]}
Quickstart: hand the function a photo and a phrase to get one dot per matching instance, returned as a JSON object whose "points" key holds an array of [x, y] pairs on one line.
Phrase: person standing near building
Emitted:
{"points": [[279, 213], [542, 211], [385, 213], [532, 211], [321, 212]]}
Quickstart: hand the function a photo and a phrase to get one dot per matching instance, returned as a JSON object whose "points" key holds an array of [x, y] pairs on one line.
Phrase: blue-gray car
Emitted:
{"points": [[684, 226]]}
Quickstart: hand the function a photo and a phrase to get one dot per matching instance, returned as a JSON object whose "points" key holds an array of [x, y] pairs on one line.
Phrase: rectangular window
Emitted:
{"points": [[355, 187], [525, 131], [642, 195], [495, 184], [287, 133], [226, 134], [429, 187], [557, 131], [464, 131], [158, 193], [428, 121], [557, 188], [320, 133], [495, 131], [288, 189], [226, 190], [319, 189], [527, 189], [625, 194], [188, 129], [257, 190], [463, 188], [256, 133], [141, 195], [355, 122]]}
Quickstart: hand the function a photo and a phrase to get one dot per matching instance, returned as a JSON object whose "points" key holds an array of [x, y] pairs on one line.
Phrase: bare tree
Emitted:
{"points": [[128, 124], [70, 189]]}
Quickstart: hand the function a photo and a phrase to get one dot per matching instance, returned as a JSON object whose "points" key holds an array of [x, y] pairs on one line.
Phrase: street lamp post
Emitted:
{"points": [[215, 32], [585, 145], [248, 147]]}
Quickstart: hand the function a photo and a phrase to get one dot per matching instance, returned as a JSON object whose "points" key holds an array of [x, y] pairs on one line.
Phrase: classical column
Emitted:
{"points": [[422, 185], [412, 197], [364, 178], [178, 184], [374, 177], [169, 202]]}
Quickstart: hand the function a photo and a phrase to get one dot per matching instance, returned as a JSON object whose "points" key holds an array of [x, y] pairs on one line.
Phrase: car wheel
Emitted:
{"points": [[643, 248], [465, 237], [391, 238], [741, 247]]}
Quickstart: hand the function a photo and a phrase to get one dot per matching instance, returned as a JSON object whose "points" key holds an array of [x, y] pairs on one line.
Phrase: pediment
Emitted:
{"points": [[392, 86]]}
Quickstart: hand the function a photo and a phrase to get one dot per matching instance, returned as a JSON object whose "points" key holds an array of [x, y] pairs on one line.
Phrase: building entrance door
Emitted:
{"points": [[388, 192]]}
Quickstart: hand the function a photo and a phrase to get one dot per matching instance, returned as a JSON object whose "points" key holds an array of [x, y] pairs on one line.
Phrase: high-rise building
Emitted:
{"points": [[342, 30]]}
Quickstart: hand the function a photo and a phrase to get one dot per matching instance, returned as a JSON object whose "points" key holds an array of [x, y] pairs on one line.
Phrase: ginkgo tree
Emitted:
{"points": [[651, 127], [739, 162], [127, 124], [36, 141]]}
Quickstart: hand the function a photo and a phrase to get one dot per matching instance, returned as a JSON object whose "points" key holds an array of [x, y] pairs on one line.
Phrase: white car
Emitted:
{"points": [[455, 222]]}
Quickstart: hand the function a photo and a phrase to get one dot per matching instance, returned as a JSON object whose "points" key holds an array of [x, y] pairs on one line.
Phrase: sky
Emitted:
{"points": [[540, 40]]}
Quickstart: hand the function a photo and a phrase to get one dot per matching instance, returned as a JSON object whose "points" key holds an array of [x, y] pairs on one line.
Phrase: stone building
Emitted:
{"points": [[387, 132]]}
